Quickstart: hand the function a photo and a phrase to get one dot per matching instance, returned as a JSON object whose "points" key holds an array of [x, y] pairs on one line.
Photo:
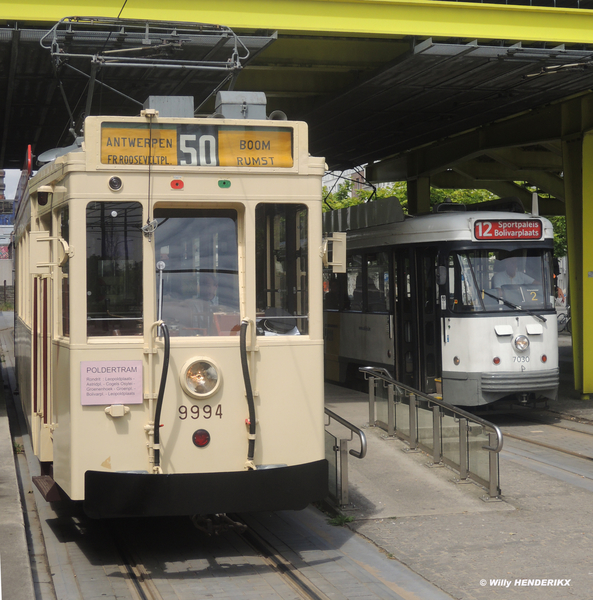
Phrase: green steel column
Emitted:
{"points": [[586, 310], [573, 158], [419, 196]]}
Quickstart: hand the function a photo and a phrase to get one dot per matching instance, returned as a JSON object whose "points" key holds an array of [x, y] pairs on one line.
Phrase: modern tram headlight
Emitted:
{"points": [[200, 378], [521, 343]]}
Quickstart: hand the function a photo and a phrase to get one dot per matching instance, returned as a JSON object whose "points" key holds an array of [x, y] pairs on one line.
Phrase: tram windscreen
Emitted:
{"points": [[500, 280], [197, 266]]}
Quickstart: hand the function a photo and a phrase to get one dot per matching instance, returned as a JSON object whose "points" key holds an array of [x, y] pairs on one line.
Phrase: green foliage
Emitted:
{"points": [[560, 237], [340, 520], [341, 196]]}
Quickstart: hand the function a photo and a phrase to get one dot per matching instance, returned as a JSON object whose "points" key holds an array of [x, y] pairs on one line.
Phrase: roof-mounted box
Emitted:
{"points": [[241, 105], [171, 106]]}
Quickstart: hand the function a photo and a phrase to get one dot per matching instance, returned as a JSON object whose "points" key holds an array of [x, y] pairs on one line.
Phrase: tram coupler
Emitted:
{"points": [[216, 524]]}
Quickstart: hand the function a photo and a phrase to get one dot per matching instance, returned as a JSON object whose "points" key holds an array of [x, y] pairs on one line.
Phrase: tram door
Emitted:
{"points": [[406, 347], [41, 436], [417, 332], [428, 319]]}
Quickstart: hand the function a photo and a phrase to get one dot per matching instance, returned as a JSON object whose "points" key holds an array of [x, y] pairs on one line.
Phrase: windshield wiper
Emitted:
{"points": [[515, 306]]}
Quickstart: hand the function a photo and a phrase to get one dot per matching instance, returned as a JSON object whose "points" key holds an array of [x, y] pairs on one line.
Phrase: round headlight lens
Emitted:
{"points": [[521, 343], [200, 378], [115, 184]]}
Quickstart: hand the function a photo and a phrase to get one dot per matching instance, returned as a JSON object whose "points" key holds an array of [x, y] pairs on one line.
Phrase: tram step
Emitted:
{"points": [[48, 488]]}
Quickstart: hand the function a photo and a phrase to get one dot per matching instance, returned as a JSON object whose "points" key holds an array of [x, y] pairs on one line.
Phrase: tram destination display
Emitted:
{"points": [[199, 145], [508, 229]]}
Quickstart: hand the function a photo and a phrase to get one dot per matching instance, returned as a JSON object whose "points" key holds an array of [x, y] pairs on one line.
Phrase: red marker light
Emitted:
{"points": [[177, 184], [496, 360], [544, 358], [201, 438]]}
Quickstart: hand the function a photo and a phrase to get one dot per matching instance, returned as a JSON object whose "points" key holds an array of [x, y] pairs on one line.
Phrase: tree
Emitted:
{"points": [[343, 196]]}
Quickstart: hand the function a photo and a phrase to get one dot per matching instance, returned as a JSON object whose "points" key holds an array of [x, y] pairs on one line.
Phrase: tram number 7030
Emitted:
{"points": [[206, 412]]}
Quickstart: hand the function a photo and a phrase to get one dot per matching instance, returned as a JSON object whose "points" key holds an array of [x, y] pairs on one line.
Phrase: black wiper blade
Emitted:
{"points": [[515, 306]]}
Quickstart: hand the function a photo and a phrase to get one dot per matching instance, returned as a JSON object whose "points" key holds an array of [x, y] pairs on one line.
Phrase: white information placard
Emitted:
{"points": [[111, 382]]}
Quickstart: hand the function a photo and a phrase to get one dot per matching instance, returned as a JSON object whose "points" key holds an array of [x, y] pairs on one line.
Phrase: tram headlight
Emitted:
{"points": [[115, 184], [200, 378], [521, 343]]}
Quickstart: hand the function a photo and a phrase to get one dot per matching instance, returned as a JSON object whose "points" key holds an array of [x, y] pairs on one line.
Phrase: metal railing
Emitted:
{"points": [[336, 452], [453, 437]]}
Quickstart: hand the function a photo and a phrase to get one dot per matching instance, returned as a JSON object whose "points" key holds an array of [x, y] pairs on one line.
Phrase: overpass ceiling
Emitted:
{"points": [[365, 98]]}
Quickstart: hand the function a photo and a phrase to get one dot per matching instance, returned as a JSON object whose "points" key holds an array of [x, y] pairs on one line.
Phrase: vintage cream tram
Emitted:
{"points": [[169, 315], [458, 302]]}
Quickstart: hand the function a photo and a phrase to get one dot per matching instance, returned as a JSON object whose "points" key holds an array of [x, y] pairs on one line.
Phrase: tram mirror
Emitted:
{"points": [[441, 275], [334, 252], [39, 257], [67, 252]]}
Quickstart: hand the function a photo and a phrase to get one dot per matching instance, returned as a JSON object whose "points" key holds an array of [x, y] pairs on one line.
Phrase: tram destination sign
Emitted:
{"points": [[196, 145], [508, 229]]}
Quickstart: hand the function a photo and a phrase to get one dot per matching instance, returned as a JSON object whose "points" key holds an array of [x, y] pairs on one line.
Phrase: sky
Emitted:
{"points": [[11, 179]]}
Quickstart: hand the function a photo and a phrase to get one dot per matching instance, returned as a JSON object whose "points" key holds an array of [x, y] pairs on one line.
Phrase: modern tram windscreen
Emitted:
{"points": [[500, 280]]}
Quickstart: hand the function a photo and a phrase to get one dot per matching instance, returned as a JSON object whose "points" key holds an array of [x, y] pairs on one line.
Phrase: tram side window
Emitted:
{"points": [[377, 282], [355, 282], [282, 287], [198, 252], [335, 296], [114, 268]]}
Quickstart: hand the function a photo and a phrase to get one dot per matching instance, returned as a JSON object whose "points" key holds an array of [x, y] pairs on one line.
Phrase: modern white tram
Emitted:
{"points": [[169, 316], [459, 303]]}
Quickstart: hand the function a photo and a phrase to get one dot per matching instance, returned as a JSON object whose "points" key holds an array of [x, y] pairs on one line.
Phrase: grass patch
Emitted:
{"points": [[340, 520]]}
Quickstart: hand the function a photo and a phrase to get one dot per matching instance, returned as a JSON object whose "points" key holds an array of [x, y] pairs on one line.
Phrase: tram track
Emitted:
{"points": [[545, 437], [135, 574], [289, 572], [138, 562]]}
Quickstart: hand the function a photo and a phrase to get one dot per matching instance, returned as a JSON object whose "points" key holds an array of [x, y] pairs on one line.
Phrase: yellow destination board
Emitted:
{"points": [[200, 145], [264, 147], [138, 146]]}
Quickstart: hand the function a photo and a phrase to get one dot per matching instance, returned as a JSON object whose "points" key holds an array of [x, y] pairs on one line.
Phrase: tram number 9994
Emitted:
{"points": [[195, 412]]}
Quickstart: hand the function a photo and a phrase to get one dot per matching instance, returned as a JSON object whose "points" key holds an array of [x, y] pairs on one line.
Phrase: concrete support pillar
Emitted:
{"points": [[419, 196]]}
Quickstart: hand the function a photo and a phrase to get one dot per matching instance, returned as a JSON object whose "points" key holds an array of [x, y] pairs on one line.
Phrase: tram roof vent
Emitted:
{"points": [[171, 106], [241, 105]]}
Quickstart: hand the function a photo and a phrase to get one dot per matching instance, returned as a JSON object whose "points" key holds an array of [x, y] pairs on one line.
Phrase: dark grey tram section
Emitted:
{"points": [[415, 534]]}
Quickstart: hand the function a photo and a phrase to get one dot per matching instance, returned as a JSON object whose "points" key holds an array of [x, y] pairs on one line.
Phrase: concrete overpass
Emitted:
{"points": [[446, 94]]}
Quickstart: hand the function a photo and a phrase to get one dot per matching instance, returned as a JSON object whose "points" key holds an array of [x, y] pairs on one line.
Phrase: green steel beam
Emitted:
{"points": [[519, 158], [479, 171], [345, 17], [453, 180]]}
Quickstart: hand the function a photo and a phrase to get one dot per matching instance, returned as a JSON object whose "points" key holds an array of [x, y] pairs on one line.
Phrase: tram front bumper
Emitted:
{"points": [[110, 495]]}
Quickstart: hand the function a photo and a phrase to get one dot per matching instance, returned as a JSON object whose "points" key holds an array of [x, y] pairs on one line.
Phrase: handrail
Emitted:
{"points": [[353, 429], [382, 373]]}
